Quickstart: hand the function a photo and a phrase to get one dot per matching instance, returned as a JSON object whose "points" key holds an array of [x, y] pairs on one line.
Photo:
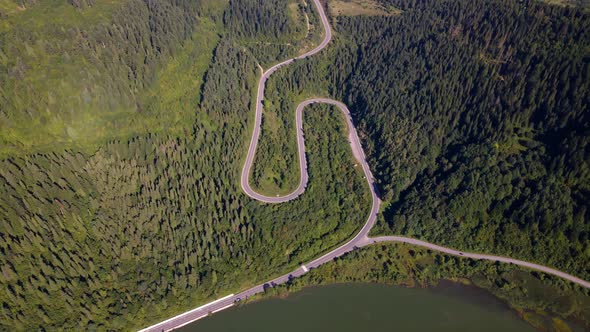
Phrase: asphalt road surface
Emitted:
{"points": [[360, 240], [245, 179]]}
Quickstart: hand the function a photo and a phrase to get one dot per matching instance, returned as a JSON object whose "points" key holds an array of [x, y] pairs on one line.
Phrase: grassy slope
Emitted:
{"points": [[67, 105], [46, 68]]}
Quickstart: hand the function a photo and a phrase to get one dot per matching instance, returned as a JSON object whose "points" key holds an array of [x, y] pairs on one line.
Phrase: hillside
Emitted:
{"points": [[494, 117], [124, 125], [475, 117], [140, 228], [75, 74]]}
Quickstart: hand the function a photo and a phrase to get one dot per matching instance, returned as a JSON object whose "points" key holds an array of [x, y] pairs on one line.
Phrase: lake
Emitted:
{"points": [[369, 307]]}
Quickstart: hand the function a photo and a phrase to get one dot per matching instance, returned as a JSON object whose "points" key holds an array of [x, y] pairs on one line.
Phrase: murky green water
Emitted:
{"points": [[369, 307]]}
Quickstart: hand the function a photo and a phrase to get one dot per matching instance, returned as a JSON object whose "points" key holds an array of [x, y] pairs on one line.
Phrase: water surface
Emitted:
{"points": [[369, 307]]}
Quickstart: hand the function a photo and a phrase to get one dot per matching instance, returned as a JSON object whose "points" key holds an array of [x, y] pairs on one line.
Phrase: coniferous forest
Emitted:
{"points": [[476, 122], [481, 130], [124, 124]]}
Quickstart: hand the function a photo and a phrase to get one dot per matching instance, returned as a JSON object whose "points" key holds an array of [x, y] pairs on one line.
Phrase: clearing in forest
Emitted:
{"points": [[361, 7]]}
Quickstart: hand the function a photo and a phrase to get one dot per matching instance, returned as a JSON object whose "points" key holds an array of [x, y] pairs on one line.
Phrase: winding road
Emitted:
{"points": [[359, 240]]}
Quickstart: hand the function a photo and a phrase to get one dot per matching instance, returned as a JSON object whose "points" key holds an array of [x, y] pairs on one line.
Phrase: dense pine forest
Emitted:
{"points": [[124, 124], [481, 127], [475, 117]]}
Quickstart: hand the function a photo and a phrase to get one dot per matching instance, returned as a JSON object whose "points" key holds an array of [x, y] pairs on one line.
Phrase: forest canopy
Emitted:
{"points": [[124, 124], [477, 120]]}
